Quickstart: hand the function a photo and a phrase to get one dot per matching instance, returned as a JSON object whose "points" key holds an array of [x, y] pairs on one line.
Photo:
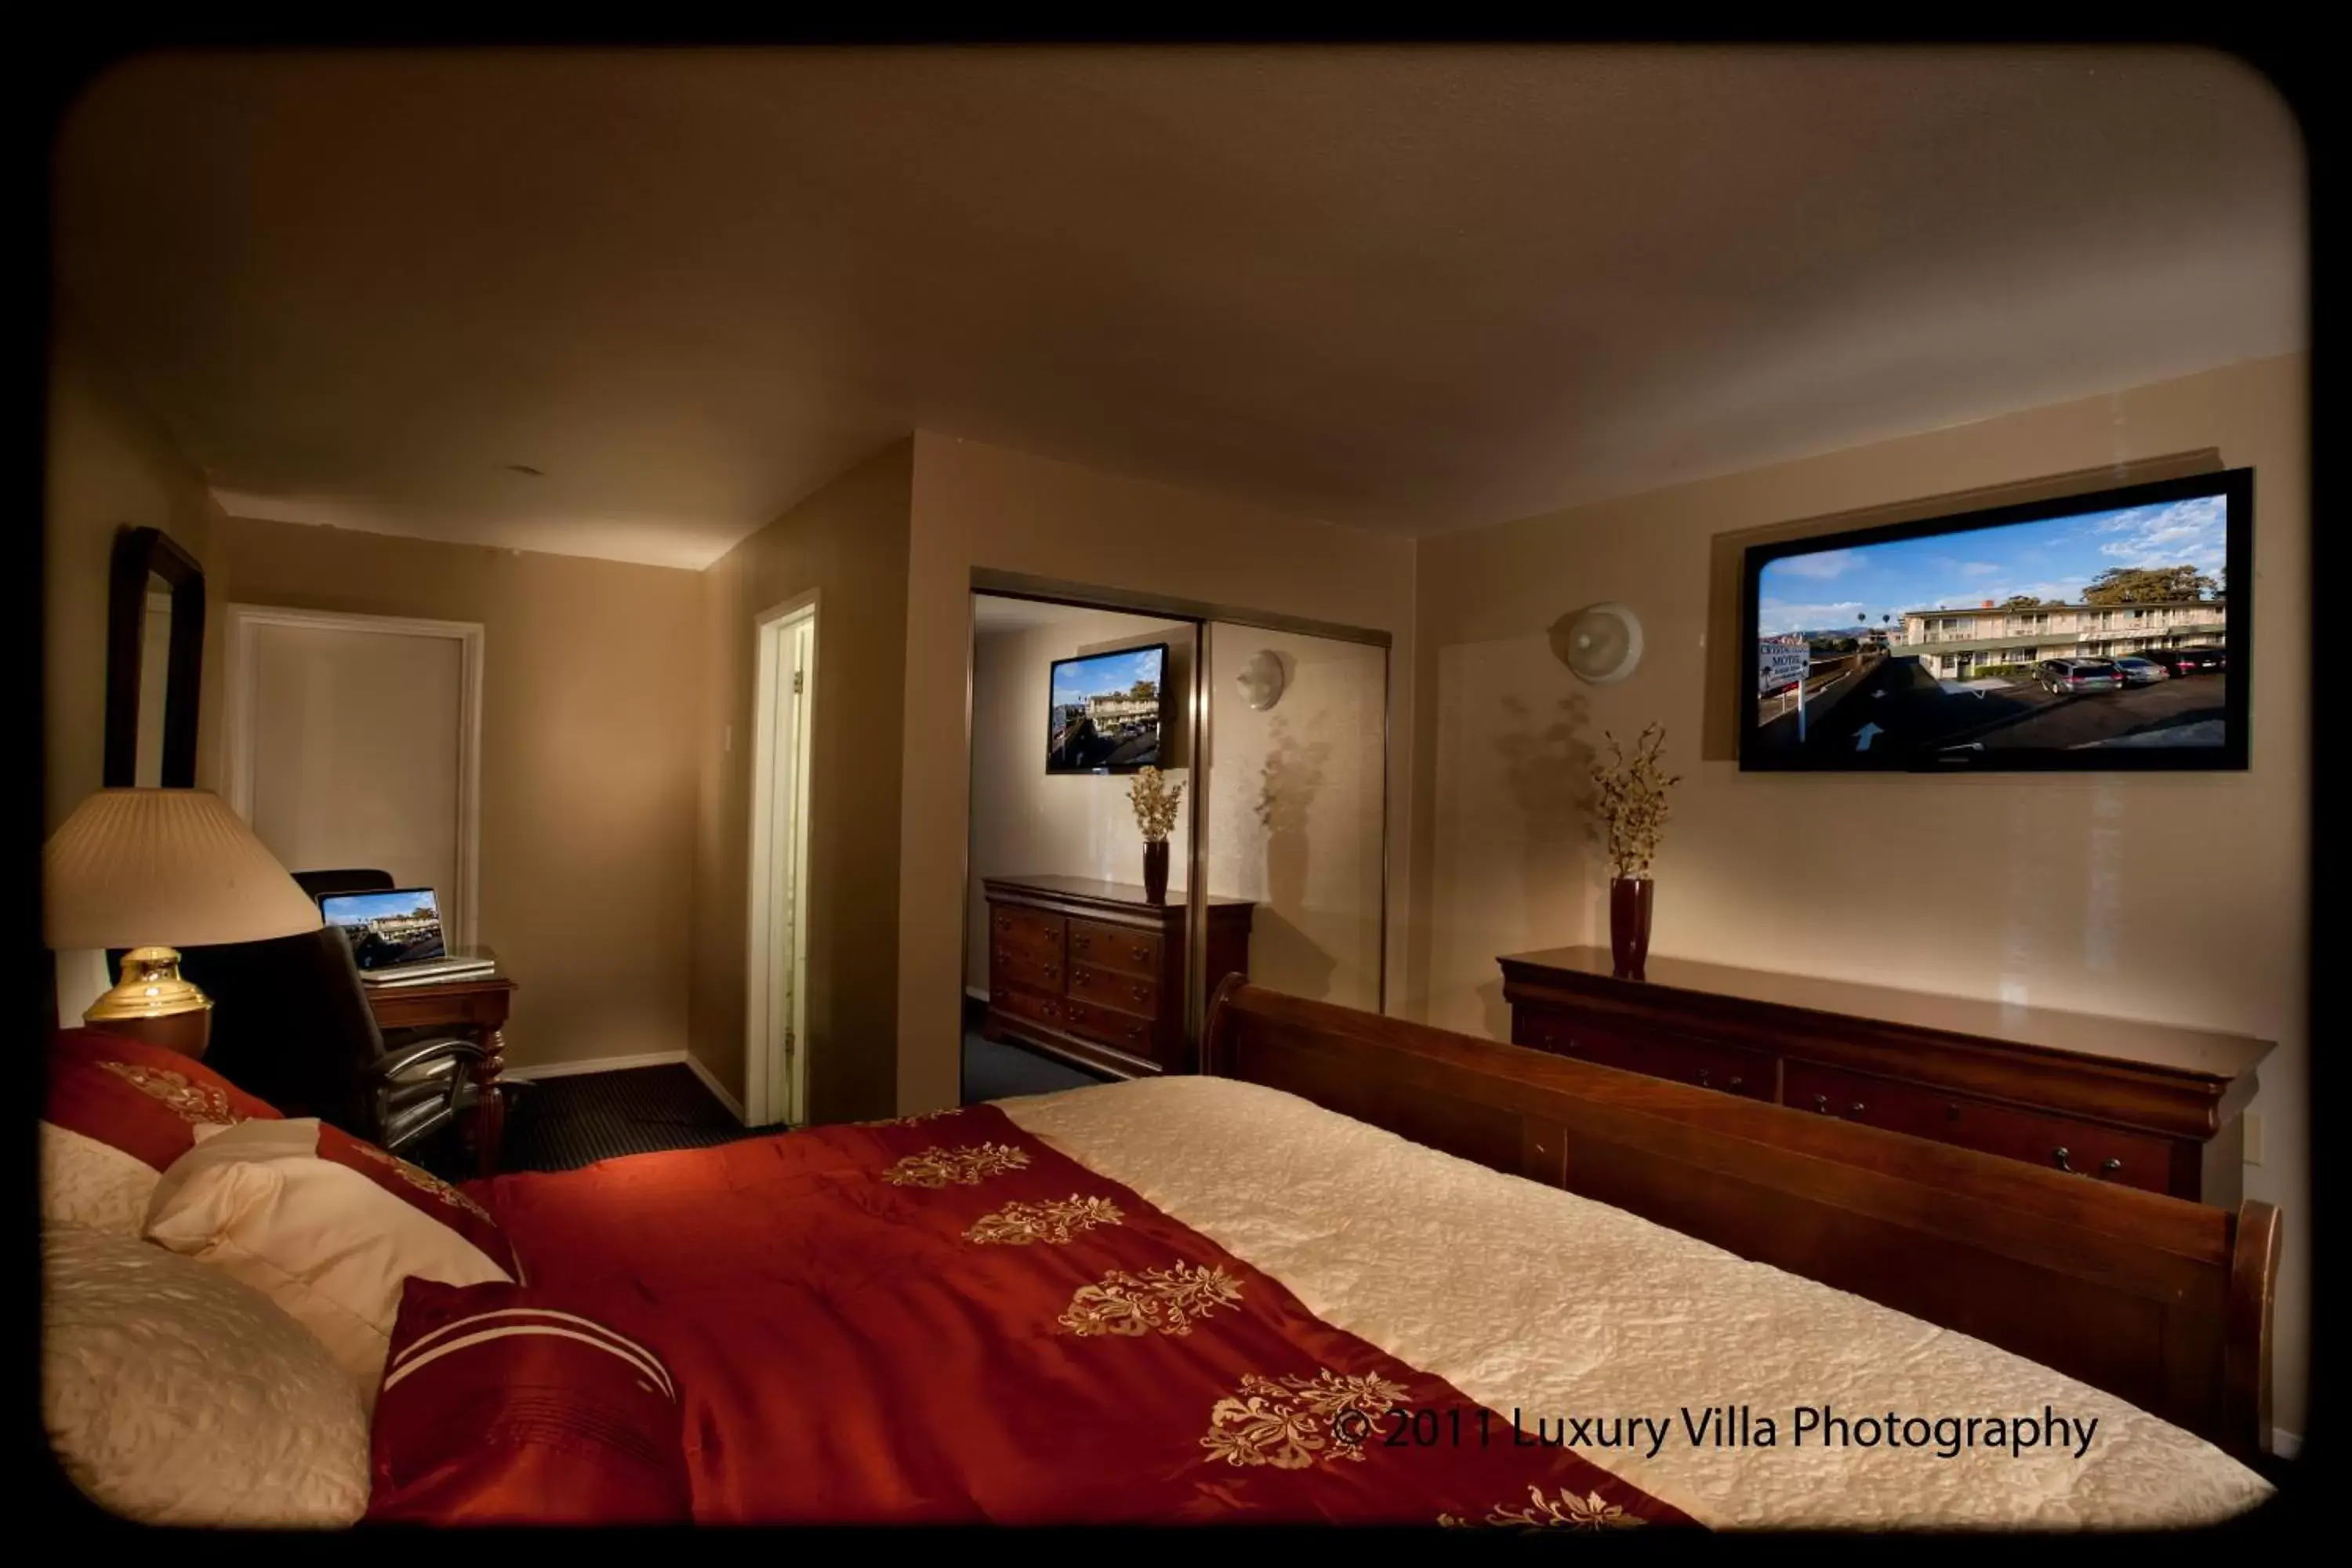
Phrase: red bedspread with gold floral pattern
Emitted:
{"points": [[941, 1319]]}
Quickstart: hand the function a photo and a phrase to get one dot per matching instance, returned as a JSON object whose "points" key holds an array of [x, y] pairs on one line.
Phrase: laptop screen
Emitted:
{"points": [[402, 926]]}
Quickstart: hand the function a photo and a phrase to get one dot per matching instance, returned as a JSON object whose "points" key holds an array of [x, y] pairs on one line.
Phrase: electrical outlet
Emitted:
{"points": [[2254, 1139]]}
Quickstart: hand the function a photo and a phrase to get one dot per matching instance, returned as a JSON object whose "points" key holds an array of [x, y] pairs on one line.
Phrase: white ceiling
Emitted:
{"points": [[1403, 288]]}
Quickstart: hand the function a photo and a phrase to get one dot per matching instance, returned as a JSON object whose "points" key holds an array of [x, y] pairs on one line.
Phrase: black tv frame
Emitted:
{"points": [[2235, 486], [1165, 661]]}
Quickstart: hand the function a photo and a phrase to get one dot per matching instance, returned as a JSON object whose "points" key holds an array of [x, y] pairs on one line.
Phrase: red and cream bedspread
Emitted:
{"points": [[947, 1319], [1529, 1298]]}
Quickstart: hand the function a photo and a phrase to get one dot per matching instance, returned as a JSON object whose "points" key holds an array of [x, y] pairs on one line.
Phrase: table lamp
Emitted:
{"points": [[155, 871]]}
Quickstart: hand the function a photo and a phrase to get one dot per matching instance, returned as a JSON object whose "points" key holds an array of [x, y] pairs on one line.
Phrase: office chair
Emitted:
{"points": [[291, 1024], [320, 884]]}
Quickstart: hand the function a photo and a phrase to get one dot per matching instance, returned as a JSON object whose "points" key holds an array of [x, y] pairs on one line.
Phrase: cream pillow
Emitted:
{"points": [[84, 1182], [321, 1240], [174, 1395]]}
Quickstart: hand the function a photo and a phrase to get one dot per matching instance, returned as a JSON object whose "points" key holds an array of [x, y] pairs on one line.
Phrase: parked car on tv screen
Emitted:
{"points": [[2068, 675], [2188, 660], [2138, 671]]}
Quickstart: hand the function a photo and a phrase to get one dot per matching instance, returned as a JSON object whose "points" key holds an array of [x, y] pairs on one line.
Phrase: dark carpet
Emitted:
{"points": [[992, 1070], [560, 1124]]}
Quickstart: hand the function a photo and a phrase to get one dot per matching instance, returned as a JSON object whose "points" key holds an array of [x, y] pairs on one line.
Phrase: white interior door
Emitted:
{"points": [[352, 744], [777, 1010]]}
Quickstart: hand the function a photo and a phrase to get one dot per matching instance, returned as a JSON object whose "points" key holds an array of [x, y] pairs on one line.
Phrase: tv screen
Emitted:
{"points": [[1103, 711], [2103, 631]]}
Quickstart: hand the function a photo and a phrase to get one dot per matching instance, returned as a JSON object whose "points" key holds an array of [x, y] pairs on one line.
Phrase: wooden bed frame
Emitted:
{"points": [[2157, 1301]]}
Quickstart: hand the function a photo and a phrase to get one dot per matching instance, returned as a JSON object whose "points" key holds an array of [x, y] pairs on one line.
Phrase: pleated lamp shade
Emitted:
{"points": [[176, 868]]}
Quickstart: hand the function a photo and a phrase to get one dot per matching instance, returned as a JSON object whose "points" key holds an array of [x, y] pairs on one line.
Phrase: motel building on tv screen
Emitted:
{"points": [[1957, 643]]}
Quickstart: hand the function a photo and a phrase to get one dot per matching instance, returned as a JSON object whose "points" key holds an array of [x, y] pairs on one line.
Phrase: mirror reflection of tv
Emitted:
{"points": [[1103, 711], [2107, 631]]}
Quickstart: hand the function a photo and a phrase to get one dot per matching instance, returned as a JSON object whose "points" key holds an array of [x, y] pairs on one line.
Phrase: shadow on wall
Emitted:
{"points": [[1289, 779], [1548, 763], [1287, 958]]}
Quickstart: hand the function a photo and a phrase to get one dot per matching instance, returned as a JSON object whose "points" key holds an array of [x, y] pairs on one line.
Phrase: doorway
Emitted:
{"points": [[775, 1012], [355, 741], [1277, 732]]}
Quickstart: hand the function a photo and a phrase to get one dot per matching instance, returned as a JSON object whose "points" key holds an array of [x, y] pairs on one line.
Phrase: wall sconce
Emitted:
{"points": [[1261, 680], [1600, 644]]}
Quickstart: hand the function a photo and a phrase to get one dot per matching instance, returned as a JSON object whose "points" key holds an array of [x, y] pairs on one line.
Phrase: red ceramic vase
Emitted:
{"points": [[1629, 925]]}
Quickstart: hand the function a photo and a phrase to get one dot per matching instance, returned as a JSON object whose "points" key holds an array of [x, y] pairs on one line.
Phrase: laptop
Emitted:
{"points": [[396, 937]]}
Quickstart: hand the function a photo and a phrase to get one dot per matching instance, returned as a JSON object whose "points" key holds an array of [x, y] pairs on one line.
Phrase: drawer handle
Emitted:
{"points": [[1854, 1109], [1080, 977], [2109, 1167], [1735, 1081], [1140, 993], [2058, 1156], [1004, 923], [1705, 1078], [1142, 951], [1821, 1104], [1081, 942]]}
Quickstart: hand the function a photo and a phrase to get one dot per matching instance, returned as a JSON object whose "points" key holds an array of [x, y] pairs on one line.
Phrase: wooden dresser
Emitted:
{"points": [[2146, 1105], [1094, 972]]}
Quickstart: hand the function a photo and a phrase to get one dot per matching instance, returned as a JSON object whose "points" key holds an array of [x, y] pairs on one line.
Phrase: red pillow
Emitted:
{"points": [[145, 1099], [501, 1406]]}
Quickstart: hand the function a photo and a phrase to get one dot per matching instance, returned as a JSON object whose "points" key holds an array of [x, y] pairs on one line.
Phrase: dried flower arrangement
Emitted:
{"points": [[1155, 799], [1630, 799]]}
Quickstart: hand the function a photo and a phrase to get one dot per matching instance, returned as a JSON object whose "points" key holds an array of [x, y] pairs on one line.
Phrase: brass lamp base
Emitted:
{"points": [[152, 1003]]}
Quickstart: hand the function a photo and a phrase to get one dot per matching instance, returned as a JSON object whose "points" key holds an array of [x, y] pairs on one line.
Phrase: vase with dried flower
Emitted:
{"points": [[1154, 796], [1630, 798]]}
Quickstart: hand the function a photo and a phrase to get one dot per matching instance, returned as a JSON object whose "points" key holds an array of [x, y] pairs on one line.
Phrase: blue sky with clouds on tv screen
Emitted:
{"points": [[1107, 672], [2056, 558], [358, 909]]}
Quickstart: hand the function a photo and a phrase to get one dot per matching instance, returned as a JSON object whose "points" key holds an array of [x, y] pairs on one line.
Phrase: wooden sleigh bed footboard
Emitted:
{"points": [[2157, 1301]]}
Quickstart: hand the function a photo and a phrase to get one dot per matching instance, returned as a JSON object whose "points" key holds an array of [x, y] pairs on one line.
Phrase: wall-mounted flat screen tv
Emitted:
{"points": [[2102, 631], [1103, 711]]}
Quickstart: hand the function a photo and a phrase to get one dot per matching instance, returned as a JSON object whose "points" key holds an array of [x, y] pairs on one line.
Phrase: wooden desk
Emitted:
{"points": [[475, 1004], [2132, 1101]]}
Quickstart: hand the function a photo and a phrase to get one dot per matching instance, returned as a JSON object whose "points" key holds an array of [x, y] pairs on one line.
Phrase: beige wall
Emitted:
{"points": [[1027, 822], [980, 506], [587, 763], [2181, 897], [112, 466], [849, 543]]}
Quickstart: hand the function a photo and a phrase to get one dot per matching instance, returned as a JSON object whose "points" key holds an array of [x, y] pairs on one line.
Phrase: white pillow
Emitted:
{"points": [[173, 1395], [84, 1182], [324, 1242]]}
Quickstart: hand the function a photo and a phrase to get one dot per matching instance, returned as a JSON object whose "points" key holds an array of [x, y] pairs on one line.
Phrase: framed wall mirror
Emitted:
{"points": [[154, 661]]}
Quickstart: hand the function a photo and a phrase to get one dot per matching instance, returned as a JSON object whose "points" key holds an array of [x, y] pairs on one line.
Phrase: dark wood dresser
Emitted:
{"points": [[2146, 1105], [1094, 972]]}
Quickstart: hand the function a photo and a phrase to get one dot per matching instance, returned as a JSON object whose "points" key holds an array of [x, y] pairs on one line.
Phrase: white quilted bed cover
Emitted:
{"points": [[1529, 1299]]}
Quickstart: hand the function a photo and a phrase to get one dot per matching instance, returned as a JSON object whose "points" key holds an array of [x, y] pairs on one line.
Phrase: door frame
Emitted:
{"points": [[775, 1063], [239, 738]]}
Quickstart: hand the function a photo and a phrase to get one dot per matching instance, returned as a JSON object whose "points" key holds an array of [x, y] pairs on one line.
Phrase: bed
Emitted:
{"points": [[1359, 1270], [1213, 1297]]}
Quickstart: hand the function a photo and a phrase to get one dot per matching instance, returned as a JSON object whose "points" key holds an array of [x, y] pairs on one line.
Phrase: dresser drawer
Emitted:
{"points": [[1032, 931], [1046, 1010], [1702, 1064], [1120, 1031], [1121, 948], [1010, 967], [1126, 993], [2036, 1137]]}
